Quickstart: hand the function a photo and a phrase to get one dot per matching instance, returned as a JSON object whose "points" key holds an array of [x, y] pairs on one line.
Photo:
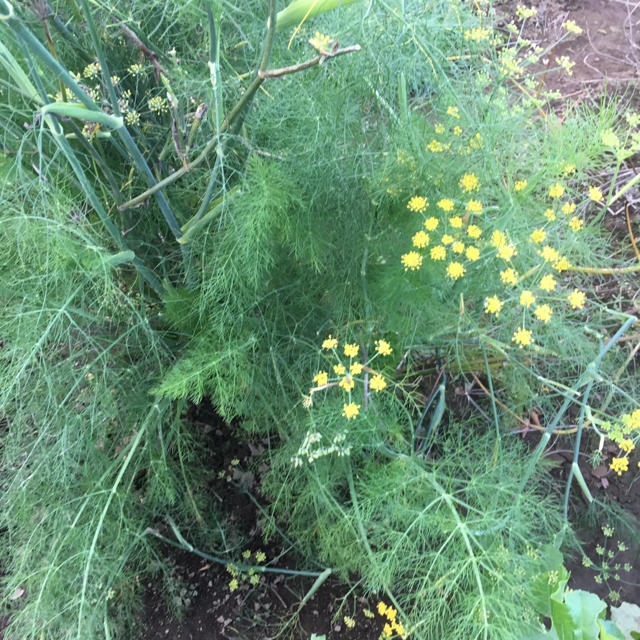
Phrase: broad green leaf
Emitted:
{"points": [[563, 623], [585, 609], [300, 10], [609, 631], [542, 591]]}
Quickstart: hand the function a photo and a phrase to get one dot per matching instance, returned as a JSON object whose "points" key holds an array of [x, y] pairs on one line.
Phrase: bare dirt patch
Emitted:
{"points": [[606, 54]]}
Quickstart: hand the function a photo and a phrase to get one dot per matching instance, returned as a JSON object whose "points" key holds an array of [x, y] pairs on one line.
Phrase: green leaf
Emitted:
{"points": [[585, 609], [609, 631], [300, 10], [563, 623], [542, 592]]}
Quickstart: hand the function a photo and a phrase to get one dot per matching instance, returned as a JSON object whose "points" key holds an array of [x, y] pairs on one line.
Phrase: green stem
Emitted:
{"points": [[606, 270], [94, 542], [230, 120], [183, 544], [590, 374], [493, 400], [576, 451], [123, 133]]}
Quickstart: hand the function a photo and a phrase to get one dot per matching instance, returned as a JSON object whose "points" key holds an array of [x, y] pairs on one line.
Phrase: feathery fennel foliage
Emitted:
{"points": [[289, 226]]}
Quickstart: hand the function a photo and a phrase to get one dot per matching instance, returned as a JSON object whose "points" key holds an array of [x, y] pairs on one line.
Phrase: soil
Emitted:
{"points": [[201, 606], [606, 54], [199, 603], [620, 495]]}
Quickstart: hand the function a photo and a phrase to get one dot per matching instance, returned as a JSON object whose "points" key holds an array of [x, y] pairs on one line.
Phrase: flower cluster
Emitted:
{"points": [[608, 566], [238, 575], [625, 433], [348, 372], [392, 624], [320, 41], [454, 233], [309, 451]]}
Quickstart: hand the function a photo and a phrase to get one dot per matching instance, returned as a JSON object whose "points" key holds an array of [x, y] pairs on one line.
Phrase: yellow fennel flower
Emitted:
{"points": [[572, 27], [577, 299], [548, 283], [576, 223], [543, 312], [431, 224], [550, 215], [498, 239], [568, 208], [455, 270], [527, 298], [350, 411], [595, 194], [438, 253], [556, 190], [469, 182], [507, 252], [446, 239], [347, 383], [321, 378], [474, 206], [474, 231], [522, 337], [549, 254], [377, 383], [446, 205], [411, 260], [626, 444], [355, 369], [417, 204], [456, 222], [472, 254], [458, 247], [383, 348], [329, 343], [339, 369], [619, 465], [351, 350], [520, 185], [538, 236], [562, 264], [509, 276], [420, 239], [493, 305]]}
